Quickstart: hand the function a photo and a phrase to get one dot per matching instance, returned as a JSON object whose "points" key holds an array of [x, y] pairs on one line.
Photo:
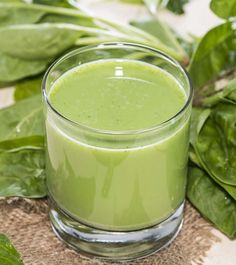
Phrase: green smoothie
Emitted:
{"points": [[127, 185]]}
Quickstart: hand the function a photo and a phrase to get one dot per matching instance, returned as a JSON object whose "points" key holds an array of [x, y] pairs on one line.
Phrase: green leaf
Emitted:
{"points": [[34, 142], [60, 3], [13, 68], [177, 6], [28, 88], [18, 14], [216, 143], [8, 253], [216, 52], [21, 120], [37, 42], [22, 174], [212, 201], [198, 120], [231, 190], [227, 94], [60, 18], [33, 48], [232, 96], [161, 31], [195, 159], [224, 8]]}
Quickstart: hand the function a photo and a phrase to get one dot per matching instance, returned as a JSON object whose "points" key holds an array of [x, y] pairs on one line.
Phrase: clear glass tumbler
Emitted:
{"points": [[118, 195]]}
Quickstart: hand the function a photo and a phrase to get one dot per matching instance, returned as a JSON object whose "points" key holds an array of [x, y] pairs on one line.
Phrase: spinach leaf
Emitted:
{"points": [[177, 6], [37, 41], [232, 96], [231, 190], [199, 118], [15, 13], [13, 68], [161, 31], [227, 94], [21, 120], [215, 53], [8, 253], [212, 201], [22, 174], [61, 3], [216, 143], [195, 159], [28, 88], [18, 14], [60, 18], [34, 142], [224, 8]]}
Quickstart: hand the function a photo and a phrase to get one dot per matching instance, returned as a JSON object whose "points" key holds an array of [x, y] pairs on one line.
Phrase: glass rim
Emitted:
{"points": [[117, 45]]}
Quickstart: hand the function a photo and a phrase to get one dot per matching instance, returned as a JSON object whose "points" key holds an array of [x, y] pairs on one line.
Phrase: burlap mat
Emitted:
{"points": [[27, 225]]}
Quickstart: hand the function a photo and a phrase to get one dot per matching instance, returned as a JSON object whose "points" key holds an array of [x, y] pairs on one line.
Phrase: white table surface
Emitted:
{"points": [[197, 20]]}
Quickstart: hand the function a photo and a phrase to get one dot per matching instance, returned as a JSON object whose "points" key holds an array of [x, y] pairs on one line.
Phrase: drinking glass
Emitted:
{"points": [[118, 195]]}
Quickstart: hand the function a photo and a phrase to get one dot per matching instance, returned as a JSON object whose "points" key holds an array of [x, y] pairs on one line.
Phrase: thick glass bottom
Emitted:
{"points": [[115, 246]]}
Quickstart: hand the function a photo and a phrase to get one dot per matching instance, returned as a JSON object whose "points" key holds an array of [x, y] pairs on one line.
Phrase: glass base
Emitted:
{"points": [[117, 246]]}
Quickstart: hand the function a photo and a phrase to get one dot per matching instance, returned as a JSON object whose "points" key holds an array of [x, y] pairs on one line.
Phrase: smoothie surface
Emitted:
{"points": [[117, 95]]}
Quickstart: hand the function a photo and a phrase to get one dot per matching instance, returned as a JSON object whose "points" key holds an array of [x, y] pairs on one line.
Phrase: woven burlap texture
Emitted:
{"points": [[26, 223]]}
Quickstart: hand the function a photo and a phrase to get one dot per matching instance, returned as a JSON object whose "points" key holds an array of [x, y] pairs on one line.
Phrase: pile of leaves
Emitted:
{"points": [[34, 35]]}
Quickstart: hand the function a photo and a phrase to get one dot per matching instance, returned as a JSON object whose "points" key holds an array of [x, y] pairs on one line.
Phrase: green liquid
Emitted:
{"points": [[117, 188], [117, 95]]}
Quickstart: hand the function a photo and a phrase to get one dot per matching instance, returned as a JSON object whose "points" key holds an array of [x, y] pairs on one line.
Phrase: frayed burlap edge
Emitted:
{"points": [[26, 223]]}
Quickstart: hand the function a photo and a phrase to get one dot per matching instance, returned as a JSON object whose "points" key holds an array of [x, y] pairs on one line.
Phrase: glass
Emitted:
{"points": [[94, 206]]}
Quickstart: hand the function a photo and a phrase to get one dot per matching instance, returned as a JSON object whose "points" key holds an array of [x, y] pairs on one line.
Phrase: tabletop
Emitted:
{"points": [[197, 20]]}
